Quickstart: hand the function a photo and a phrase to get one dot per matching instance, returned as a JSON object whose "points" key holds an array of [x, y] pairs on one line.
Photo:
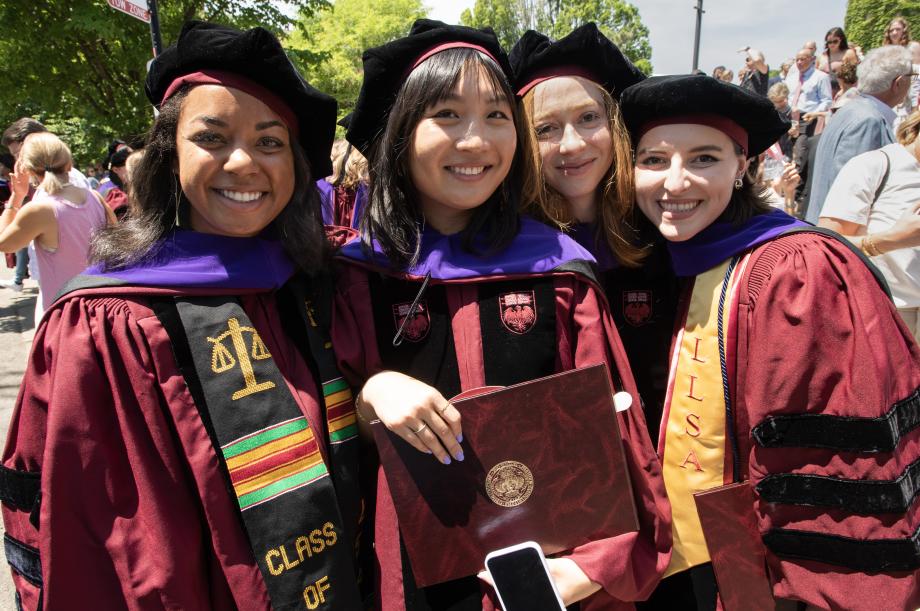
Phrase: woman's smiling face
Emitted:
{"points": [[685, 175], [234, 160], [461, 151], [573, 133]]}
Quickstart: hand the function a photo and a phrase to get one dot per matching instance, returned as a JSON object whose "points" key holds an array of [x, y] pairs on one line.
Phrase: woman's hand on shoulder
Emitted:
{"points": [[416, 412]]}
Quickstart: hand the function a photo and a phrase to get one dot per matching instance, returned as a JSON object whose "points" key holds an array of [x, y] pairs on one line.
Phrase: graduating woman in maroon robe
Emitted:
{"points": [[475, 296], [181, 439], [790, 370], [569, 91]]}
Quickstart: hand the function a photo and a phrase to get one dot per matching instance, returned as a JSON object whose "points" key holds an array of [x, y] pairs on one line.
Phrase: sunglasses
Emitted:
{"points": [[833, 41]]}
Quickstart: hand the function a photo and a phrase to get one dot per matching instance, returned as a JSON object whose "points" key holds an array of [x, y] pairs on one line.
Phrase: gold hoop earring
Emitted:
{"points": [[176, 197], [738, 184]]}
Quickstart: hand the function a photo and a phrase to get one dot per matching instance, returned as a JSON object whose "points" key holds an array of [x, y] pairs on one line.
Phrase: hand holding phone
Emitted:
{"points": [[522, 580]]}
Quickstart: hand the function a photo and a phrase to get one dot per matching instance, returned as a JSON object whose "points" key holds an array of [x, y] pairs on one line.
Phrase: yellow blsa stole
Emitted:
{"points": [[694, 436]]}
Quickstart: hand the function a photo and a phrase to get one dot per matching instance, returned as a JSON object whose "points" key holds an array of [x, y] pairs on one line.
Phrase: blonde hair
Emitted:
{"points": [[905, 35], [349, 172], [615, 208], [47, 157], [909, 128]]}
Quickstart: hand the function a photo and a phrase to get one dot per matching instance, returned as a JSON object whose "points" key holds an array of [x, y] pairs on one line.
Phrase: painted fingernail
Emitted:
{"points": [[459, 455], [446, 460], [460, 438]]}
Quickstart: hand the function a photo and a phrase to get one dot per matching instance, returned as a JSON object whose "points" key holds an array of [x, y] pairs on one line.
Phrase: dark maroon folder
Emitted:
{"points": [[543, 462], [737, 551]]}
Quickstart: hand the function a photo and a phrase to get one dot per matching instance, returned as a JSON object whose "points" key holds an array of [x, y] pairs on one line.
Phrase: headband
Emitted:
{"points": [[554, 72], [725, 125], [452, 45], [236, 81]]}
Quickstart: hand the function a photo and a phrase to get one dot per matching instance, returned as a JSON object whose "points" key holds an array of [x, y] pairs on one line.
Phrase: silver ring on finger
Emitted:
{"points": [[420, 429]]}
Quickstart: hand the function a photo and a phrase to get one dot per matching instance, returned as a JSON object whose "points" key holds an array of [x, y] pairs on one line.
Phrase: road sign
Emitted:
{"points": [[136, 8]]}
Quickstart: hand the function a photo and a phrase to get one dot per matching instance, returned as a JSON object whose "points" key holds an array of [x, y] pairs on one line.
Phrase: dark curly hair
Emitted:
{"points": [[157, 193]]}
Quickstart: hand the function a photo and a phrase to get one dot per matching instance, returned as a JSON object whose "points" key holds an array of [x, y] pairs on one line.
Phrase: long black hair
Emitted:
{"points": [[838, 32], [157, 194], [393, 216]]}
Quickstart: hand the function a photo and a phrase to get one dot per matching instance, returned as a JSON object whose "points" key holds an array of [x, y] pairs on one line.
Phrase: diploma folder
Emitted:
{"points": [[543, 462], [737, 551]]}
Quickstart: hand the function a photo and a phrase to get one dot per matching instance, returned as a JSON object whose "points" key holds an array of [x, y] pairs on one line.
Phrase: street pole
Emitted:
{"points": [[155, 27], [696, 39]]}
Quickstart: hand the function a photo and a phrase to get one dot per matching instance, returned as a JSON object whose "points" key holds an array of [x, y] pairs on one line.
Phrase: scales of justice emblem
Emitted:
{"points": [[223, 360]]}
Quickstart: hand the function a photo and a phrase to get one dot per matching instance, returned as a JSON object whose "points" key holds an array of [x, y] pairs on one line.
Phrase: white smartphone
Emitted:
{"points": [[522, 580]]}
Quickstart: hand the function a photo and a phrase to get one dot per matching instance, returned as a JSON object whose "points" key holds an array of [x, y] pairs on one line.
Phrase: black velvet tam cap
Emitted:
{"points": [[747, 118], [387, 66], [254, 62], [584, 52]]}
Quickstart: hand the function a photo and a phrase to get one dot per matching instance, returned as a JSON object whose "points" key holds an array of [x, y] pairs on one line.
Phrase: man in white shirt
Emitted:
{"points": [[865, 123], [809, 93]]}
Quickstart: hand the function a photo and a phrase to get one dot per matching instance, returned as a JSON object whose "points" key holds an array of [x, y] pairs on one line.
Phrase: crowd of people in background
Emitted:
{"points": [[508, 216]]}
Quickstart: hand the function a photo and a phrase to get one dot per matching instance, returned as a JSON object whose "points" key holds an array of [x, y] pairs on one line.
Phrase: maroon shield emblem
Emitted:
{"points": [[518, 311], [416, 328], [637, 307]]}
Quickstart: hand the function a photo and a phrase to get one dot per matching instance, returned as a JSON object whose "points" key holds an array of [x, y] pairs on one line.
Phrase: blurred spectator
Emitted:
{"points": [[812, 46], [728, 76], [783, 72], [757, 74], [779, 95], [13, 139], [91, 177], [836, 51], [116, 196], [865, 123], [105, 181], [718, 71], [6, 167], [809, 97], [897, 32], [875, 200], [61, 218]]}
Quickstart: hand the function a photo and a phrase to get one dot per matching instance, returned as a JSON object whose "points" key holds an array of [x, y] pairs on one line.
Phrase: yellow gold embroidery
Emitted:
{"points": [[222, 360], [314, 594]]}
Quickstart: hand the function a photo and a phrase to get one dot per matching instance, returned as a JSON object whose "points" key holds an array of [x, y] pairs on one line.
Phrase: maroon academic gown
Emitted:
{"points": [[815, 334], [134, 512], [628, 566]]}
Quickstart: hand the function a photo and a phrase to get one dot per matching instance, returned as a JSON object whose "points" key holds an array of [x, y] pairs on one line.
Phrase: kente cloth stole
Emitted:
{"points": [[288, 502], [693, 436]]}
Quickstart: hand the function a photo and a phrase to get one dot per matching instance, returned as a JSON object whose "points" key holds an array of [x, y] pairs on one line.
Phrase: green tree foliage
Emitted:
{"points": [[330, 42], [79, 65], [866, 20], [618, 20]]}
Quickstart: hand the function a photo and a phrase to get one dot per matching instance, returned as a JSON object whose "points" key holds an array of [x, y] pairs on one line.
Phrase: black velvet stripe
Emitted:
{"points": [[863, 497], [580, 266], [842, 433], [514, 355], [431, 358], [25, 559], [867, 555], [19, 489]]}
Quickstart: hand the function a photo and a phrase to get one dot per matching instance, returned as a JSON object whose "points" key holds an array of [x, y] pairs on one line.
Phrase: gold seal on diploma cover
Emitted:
{"points": [[509, 483]]}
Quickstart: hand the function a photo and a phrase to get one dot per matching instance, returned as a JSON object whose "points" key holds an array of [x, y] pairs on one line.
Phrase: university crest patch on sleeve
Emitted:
{"points": [[517, 311], [415, 329], [637, 307]]}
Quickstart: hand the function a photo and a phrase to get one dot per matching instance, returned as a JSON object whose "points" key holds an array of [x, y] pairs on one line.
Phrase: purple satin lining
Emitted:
{"points": [[721, 241], [586, 235], [191, 259], [536, 249]]}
